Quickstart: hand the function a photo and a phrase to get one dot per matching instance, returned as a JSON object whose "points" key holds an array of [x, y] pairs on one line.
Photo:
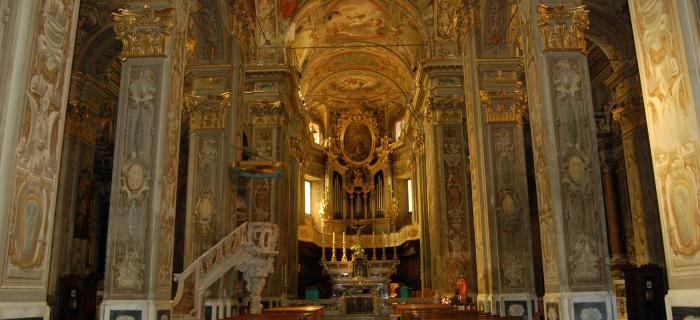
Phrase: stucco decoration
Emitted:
{"points": [[37, 155], [673, 129], [457, 246]]}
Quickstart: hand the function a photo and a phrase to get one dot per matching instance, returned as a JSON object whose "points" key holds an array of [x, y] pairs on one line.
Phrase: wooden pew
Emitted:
{"points": [[400, 308], [270, 316], [440, 314], [314, 312], [285, 313], [451, 314]]}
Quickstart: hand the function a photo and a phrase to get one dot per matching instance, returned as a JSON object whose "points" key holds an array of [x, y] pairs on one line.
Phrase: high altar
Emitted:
{"points": [[359, 175]]}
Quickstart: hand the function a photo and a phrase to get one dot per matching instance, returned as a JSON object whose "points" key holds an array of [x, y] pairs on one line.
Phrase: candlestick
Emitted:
{"points": [[333, 248], [323, 244], [395, 256], [374, 248], [386, 243], [344, 259]]}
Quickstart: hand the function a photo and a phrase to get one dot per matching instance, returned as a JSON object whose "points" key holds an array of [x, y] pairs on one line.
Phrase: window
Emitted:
{"points": [[315, 132], [410, 195], [307, 197], [397, 129]]}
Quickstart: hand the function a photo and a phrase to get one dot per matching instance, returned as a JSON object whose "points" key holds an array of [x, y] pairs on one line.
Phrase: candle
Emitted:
{"points": [[343, 236], [333, 237]]}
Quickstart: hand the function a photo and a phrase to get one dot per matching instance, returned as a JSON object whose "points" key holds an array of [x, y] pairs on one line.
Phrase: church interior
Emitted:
{"points": [[350, 159]]}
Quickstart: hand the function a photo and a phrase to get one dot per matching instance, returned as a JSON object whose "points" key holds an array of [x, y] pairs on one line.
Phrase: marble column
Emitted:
{"points": [[206, 173], [447, 183], [644, 227], [274, 119], [38, 38], [567, 170], [618, 258], [138, 273], [666, 37], [502, 102], [476, 137]]}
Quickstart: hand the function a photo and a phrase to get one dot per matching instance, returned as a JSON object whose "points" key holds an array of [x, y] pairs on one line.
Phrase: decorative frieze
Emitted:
{"points": [[268, 112], [145, 33], [563, 28], [207, 112]]}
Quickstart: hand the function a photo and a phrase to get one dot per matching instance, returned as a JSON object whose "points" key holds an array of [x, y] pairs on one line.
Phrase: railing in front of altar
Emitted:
{"points": [[308, 233]]}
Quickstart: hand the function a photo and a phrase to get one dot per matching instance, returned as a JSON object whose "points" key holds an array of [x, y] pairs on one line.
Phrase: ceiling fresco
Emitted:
{"points": [[356, 52]]}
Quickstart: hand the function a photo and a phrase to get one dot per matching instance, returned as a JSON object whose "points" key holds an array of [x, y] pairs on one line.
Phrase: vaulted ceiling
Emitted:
{"points": [[354, 53]]}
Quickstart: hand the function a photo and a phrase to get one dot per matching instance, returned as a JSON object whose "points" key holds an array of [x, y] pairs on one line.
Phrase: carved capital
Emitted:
{"points": [[190, 48], [503, 106], [81, 124], [266, 112], [145, 33], [562, 28], [444, 108], [630, 117], [207, 112]]}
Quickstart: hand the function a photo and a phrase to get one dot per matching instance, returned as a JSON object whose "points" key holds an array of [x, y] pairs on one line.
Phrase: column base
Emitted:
{"points": [[138, 309], [571, 305], [484, 302], [683, 303], [516, 304], [24, 310]]}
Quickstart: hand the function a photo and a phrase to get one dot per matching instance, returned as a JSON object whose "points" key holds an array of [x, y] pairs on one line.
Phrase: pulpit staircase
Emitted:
{"points": [[250, 248]]}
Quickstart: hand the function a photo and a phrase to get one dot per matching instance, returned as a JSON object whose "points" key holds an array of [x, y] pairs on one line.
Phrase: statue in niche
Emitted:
{"points": [[359, 261], [358, 177]]}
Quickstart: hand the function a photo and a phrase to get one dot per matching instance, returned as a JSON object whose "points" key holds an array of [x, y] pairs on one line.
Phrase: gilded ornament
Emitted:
{"points": [[143, 34], [268, 112], [502, 106], [207, 112], [444, 108], [563, 28]]}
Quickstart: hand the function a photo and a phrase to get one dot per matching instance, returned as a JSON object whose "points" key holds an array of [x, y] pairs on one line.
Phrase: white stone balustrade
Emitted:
{"points": [[251, 248]]}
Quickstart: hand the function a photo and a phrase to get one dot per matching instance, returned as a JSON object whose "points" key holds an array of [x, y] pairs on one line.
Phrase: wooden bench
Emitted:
{"points": [[400, 308], [451, 314], [314, 312], [440, 314], [270, 316], [285, 313]]}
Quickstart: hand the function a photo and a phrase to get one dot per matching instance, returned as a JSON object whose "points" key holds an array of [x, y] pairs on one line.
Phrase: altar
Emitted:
{"points": [[360, 285]]}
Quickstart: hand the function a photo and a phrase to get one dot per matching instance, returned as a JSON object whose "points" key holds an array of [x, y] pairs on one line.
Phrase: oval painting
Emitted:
{"points": [[358, 142]]}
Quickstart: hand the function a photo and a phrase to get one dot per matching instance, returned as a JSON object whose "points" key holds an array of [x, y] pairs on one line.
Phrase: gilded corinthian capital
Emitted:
{"points": [[562, 27], [207, 112], [145, 33]]}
